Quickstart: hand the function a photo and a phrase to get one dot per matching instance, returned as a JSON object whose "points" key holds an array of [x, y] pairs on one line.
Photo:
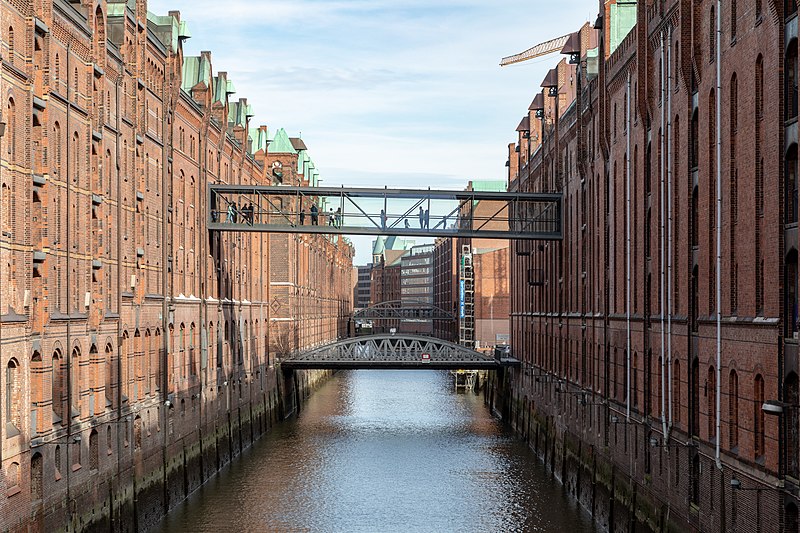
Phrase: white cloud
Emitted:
{"points": [[394, 92]]}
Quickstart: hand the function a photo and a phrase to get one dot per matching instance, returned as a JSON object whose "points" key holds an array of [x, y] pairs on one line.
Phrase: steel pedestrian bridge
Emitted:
{"points": [[401, 212], [402, 310], [397, 352]]}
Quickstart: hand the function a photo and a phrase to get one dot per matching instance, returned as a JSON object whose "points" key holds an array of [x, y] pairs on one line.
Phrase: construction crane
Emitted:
{"points": [[541, 49]]}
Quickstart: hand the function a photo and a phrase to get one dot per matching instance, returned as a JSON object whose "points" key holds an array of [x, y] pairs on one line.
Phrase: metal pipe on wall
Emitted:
{"points": [[718, 161], [669, 228], [662, 230], [628, 243]]}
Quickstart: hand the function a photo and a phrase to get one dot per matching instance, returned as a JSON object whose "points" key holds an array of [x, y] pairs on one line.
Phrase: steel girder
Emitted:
{"points": [[402, 212], [400, 310], [396, 352]]}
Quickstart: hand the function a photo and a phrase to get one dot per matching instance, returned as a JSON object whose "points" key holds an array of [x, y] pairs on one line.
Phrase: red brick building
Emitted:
{"points": [[135, 347], [652, 128]]}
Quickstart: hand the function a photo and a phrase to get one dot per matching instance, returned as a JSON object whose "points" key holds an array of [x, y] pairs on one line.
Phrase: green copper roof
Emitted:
{"points": [[281, 143], [623, 19], [196, 69], [239, 112], [489, 185], [223, 87], [167, 29], [258, 137]]}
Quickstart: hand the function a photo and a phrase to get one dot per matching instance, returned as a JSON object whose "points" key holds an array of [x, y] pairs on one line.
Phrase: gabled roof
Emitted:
{"points": [[281, 143], [196, 70], [524, 124], [258, 138]]}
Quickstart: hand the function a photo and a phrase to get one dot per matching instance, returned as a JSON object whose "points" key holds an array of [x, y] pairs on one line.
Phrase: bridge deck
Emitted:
{"points": [[396, 352], [403, 212]]}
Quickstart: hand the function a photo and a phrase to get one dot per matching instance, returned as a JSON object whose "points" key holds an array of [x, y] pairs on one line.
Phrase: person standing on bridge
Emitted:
{"points": [[383, 219], [232, 212], [302, 215], [338, 220], [421, 218], [314, 215]]}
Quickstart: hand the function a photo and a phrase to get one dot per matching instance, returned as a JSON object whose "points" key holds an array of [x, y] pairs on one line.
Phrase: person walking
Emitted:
{"points": [[314, 215], [232, 212]]}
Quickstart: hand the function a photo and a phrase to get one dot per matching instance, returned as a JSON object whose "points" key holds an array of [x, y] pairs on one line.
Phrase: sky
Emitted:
{"points": [[385, 92]]}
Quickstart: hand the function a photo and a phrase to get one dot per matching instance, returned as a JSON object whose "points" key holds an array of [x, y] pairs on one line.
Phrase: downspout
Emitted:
{"points": [[719, 232], [669, 228], [662, 169], [628, 244], [68, 352]]}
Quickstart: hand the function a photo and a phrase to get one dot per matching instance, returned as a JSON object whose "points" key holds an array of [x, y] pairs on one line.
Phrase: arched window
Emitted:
{"points": [[37, 481], [791, 185], [94, 451], [790, 80], [790, 302], [13, 393], [695, 139], [792, 436], [733, 410], [37, 383], [58, 386], [711, 402], [77, 383], [110, 376], [712, 35], [758, 416], [695, 399], [11, 130], [11, 44]]}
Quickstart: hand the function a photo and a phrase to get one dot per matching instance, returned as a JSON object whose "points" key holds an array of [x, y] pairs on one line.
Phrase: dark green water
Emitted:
{"points": [[376, 451]]}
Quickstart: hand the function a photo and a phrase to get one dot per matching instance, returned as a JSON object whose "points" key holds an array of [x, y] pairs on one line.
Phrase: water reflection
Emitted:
{"points": [[384, 451]]}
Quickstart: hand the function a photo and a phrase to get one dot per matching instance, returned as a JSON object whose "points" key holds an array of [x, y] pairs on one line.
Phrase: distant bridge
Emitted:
{"points": [[402, 310], [395, 352]]}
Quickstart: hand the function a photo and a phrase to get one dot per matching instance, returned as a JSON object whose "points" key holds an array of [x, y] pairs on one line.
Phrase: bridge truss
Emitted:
{"points": [[402, 212], [402, 310], [395, 352]]}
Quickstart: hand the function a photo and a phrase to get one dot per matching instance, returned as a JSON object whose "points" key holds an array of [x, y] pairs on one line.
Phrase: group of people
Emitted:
{"points": [[334, 218], [247, 211]]}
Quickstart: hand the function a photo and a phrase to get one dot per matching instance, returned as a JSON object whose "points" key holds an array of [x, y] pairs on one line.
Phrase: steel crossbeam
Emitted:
{"points": [[394, 352], [400, 310], [402, 212]]}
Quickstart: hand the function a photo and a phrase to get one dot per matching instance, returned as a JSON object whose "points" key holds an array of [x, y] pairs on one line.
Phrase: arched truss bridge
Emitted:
{"points": [[395, 352]]}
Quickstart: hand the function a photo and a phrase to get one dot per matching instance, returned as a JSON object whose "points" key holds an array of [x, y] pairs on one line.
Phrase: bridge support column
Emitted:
{"points": [[288, 393]]}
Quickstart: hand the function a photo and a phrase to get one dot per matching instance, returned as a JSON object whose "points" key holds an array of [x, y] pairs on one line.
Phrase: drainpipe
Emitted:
{"points": [[669, 228], [662, 169], [719, 231], [628, 244]]}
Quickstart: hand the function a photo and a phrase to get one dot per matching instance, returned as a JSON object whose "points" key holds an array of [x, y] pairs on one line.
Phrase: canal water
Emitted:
{"points": [[376, 451]]}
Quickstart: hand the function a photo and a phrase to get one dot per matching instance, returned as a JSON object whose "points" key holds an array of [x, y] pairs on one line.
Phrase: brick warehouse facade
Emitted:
{"points": [[621, 390], [138, 352]]}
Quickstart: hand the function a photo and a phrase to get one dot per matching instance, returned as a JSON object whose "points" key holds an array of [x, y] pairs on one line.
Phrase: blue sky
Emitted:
{"points": [[399, 93]]}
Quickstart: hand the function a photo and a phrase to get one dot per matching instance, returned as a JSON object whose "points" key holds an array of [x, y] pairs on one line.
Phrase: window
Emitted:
{"points": [[711, 403], [13, 392], [712, 35], [58, 385], [790, 304], [758, 10], [733, 410], [790, 80], [758, 417], [94, 451], [792, 436], [37, 481], [11, 44], [733, 20], [77, 383], [695, 479], [695, 140], [11, 130]]}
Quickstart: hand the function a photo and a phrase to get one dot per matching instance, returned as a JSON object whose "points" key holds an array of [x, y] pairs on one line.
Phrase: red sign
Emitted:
{"points": [[426, 358]]}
